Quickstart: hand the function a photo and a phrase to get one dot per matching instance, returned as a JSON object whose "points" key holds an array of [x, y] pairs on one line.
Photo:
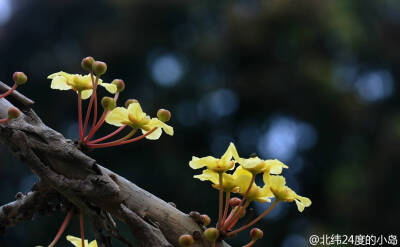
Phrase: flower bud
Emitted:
{"points": [[206, 219], [235, 201], [211, 234], [108, 103], [20, 78], [120, 84], [164, 115], [186, 240], [87, 63], [130, 101], [256, 234], [13, 113], [99, 68]]}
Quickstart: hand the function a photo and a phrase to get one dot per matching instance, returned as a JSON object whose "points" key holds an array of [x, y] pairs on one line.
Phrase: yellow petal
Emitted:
{"points": [[77, 242], [275, 166], [118, 117], [276, 182], [228, 182], [230, 152], [153, 136], [136, 111], [302, 202], [61, 73], [93, 244], [85, 94], [60, 83], [197, 163], [155, 122], [109, 87], [208, 175]]}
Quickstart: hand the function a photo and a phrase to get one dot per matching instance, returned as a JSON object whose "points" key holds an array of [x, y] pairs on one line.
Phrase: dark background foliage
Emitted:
{"points": [[313, 83]]}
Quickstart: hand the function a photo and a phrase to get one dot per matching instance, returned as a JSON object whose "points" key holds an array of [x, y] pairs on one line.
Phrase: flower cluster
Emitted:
{"points": [[19, 78], [227, 177], [131, 115]]}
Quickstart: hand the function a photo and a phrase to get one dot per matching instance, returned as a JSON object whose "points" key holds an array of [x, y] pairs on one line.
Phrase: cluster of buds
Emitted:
{"points": [[131, 115], [19, 78], [242, 180]]}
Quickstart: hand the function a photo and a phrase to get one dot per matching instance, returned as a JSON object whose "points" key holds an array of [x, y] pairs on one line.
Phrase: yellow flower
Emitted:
{"points": [[256, 193], [278, 187], [223, 164], [256, 165], [78, 83], [137, 119], [77, 242], [228, 180]]}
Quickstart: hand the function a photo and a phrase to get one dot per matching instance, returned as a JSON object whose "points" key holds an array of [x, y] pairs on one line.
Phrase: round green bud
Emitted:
{"points": [[211, 234], [256, 234], [13, 113], [108, 103], [186, 240], [164, 115], [234, 201], [99, 68], [87, 63], [130, 101], [120, 84], [206, 219], [20, 78]]}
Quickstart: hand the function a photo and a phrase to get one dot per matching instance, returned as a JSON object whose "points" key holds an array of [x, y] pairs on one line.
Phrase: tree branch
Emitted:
{"points": [[87, 184], [26, 206]]}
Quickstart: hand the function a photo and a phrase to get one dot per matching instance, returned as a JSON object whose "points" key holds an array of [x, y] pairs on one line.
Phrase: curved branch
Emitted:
{"points": [[87, 184]]}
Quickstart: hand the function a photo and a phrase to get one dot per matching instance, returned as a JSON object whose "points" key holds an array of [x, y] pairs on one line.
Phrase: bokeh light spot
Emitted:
{"points": [[5, 11], [220, 103], [285, 136], [166, 70], [374, 86]]}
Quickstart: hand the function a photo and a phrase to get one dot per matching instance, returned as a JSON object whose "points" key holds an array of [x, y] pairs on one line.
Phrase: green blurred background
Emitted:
{"points": [[312, 83]]}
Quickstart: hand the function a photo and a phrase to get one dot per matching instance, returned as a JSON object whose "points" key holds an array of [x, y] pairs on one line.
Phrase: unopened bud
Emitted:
{"points": [[20, 78], [256, 234], [99, 68], [211, 234], [130, 101], [235, 201], [120, 84], [108, 103], [13, 113], [87, 63], [164, 115], [186, 240], [206, 219]]}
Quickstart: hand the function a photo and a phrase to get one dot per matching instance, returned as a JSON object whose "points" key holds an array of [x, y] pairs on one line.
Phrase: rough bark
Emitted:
{"points": [[89, 186]]}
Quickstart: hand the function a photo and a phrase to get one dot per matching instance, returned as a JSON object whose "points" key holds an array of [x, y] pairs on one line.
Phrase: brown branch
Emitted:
{"points": [[17, 98], [26, 206], [87, 184]]}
